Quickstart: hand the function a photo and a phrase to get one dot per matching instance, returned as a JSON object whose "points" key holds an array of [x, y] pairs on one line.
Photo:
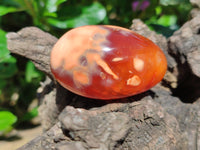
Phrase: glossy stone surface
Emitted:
{"points": [[106, 62]]}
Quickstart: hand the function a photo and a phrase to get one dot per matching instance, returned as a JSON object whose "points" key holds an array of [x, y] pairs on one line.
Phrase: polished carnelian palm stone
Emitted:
{"points": [[106, 62]]}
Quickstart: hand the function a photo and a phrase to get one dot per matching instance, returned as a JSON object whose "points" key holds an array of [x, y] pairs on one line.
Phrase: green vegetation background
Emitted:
{"points": [[19, 79]]}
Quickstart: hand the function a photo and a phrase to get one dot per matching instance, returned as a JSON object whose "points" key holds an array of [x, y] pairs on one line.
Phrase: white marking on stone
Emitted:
{"points": [[105, 66], [134, 81], [130, 71], [80, 78], [117, 59], [138, 64]]}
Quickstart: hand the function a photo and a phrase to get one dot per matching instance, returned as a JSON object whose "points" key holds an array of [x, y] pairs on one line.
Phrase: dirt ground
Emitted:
{"points": [[23, 137]]}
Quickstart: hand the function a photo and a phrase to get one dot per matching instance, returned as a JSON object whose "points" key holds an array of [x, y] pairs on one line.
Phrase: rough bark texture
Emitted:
{"points": [[33, 44], [130, 126], [184, 46], [153, 120]]}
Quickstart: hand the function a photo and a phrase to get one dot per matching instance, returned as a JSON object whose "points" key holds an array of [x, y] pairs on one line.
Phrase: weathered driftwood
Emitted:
{"points": [[139, 125], [33, 44], [152, 120], [184, 45]]}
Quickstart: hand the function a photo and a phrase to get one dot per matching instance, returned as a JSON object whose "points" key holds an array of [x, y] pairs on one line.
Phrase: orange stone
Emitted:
{"points": [[106, 62]]}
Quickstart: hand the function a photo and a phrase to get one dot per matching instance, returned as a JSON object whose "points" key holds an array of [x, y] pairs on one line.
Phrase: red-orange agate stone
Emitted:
{"points": [[106, 62]]}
